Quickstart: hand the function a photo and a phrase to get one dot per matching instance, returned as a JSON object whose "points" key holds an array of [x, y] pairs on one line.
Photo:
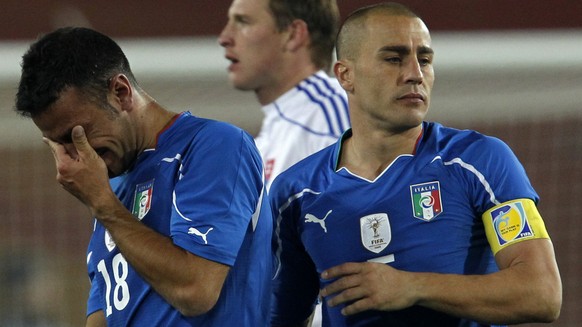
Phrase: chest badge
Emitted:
{"points": [[426, 200], [142, 200], [375, 232]]}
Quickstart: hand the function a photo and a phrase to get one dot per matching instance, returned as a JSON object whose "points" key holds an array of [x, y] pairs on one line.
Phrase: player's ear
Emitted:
{"points": [[121, 91], [343, 71], [298, 35]]}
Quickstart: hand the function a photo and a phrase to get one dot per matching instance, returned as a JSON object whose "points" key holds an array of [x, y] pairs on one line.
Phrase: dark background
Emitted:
{"points": [[149, 18]]}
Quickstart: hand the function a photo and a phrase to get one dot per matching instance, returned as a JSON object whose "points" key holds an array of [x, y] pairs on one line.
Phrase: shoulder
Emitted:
{"points": [[200, 139], [207, 125], [214, 131], [483, 156], [456, 142], [306, 173]]}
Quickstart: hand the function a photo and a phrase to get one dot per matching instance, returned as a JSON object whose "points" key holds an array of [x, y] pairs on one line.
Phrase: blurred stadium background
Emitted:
{"points": [[512, 69]]}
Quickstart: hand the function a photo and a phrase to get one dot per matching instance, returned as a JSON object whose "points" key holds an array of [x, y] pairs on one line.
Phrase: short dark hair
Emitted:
{"points": [[68, 57], [322, 18], [347, 35]]}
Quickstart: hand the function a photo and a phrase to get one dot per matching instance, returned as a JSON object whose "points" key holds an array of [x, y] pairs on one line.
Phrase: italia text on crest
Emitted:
{"points": [[142, 200], [426, 200]]}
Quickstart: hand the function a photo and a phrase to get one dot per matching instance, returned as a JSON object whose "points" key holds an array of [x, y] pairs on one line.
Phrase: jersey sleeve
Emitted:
{"points": [[295, 283], [496, 174], [219, 189], [503, 195]]}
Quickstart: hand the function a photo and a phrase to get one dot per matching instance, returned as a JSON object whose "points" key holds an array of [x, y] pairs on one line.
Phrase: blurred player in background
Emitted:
{"points": [[405, 222], [173, 245], [281, 50]]}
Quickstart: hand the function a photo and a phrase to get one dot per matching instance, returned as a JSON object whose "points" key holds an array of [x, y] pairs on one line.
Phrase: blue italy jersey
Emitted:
{"points": [[422, 214], [201, 186]]}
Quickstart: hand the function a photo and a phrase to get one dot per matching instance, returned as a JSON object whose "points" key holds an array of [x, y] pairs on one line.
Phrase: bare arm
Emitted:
{"points": [[96, 319], [526, 289], [189, 283]]}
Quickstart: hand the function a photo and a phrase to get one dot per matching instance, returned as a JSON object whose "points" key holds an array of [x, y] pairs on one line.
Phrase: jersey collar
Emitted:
{"points": [[348, 133]]}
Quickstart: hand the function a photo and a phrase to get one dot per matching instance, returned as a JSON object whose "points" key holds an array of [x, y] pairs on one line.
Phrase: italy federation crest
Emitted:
{"points": [[375, 232], [142, 201], [426, 200]]}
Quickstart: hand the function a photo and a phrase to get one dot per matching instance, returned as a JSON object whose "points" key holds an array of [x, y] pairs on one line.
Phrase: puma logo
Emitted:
{"points": [[196, 232], [309, 218]]}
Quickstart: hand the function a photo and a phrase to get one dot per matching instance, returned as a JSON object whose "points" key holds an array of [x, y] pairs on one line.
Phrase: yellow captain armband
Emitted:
{"points": [[511, 222]]}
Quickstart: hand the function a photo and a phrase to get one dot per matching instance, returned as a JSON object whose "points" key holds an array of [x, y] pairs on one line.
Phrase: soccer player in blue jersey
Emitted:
{"points": [[405, 222], [281, 50], [182, 233]]}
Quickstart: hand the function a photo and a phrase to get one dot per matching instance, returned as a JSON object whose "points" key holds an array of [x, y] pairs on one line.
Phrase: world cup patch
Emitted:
{"points": [[426, 200], [375, 232], [510, 223], [142, 200]]}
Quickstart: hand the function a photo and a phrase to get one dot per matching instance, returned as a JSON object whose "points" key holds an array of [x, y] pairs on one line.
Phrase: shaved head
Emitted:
{"points": [[352, 31]]}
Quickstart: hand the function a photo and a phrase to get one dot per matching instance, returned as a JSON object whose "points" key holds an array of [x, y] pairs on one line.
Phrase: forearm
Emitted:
{"points": [[190, 283], [478, 298], [528, 291]]}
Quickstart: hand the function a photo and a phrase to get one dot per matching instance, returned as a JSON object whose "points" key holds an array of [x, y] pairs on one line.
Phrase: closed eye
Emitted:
{"points": [[241, 19], [425, 61], [393, 60]]}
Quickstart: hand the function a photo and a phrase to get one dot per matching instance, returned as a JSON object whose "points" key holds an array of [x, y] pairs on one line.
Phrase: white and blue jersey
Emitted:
{"points": [[422, 214], [202, 186], [302, 121]]}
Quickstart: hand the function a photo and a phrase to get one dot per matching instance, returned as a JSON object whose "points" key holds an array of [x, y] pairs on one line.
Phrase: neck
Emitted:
{"points": [[153, 119], [369, 153]]}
